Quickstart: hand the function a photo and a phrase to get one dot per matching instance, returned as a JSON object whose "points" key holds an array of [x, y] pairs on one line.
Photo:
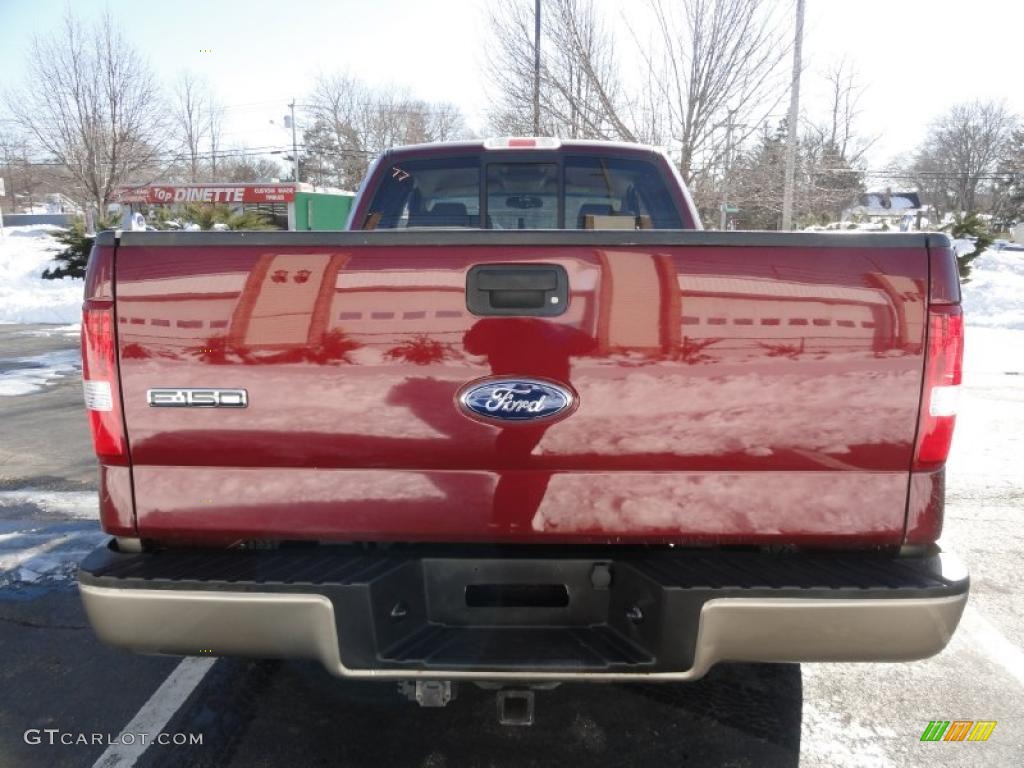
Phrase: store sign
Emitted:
{"points": [[200, 193]]}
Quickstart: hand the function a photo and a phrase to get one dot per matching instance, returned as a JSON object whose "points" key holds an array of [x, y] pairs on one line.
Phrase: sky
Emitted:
{"points": [[915, 57]]}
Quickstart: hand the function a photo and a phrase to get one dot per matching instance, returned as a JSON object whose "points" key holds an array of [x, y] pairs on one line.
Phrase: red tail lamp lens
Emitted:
{"points": [[943, 370], [99, 381]]}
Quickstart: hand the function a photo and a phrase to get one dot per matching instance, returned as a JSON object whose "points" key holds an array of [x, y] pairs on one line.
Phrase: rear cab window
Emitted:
{"points": [[522, 195], [440, 192], [617, 189], [522, 190]]}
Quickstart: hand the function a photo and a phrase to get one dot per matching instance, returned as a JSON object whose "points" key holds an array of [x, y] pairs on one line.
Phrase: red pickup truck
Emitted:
{"points": [[524, 422]]}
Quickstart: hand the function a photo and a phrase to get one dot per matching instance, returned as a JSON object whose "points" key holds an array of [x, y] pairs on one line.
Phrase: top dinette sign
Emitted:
{"points": [[212, 193]]}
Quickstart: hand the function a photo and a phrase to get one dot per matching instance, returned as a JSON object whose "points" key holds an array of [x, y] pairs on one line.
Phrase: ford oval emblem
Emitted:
{"points": [[516, 400]]}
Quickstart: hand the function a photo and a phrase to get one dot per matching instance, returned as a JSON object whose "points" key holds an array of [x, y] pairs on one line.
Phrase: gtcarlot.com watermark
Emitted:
{"points": [[55, 736]]}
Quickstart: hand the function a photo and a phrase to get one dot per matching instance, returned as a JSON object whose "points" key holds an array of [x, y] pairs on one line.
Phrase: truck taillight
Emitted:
{"points": [[99, 381], [943, 369]]}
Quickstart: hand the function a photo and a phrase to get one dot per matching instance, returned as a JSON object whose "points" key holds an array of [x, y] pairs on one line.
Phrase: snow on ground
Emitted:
{"points": [[990, 412], [77, 505], [70, 331], [24, 296], [872, 714], [48, 553], [25, 375], [45, 534], [994, 296]]}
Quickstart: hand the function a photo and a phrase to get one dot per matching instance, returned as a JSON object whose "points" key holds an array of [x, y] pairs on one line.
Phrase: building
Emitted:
{"points": [[898, 210], [293, 206]]}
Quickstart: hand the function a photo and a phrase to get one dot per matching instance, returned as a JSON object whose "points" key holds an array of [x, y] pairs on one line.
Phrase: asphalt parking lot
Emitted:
{"points": [[55, 675]]}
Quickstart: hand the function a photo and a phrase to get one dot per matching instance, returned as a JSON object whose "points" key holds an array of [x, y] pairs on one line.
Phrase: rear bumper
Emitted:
{"points": [[407, 616]]}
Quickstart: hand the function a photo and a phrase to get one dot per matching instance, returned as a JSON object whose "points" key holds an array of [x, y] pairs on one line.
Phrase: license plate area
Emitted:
{"points": [[517, 596], [524, 592]]}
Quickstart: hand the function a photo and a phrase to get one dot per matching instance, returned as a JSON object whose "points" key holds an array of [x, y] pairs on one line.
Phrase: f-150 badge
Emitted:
{"points": [[197, 398], [503, 400]]}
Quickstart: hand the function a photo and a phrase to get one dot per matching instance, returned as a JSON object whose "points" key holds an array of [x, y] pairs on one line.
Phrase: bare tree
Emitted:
{"points": [[353, 122], [824, 182], [712, 65], [509, 51], [93, 105], [240, 166], [215, 123], [25, 180], [446, 122], [586, 94], [1012, 201], [718, 63], [757, 180], [192, 119], [827, 183], [962, 151], [831, 151], [332, 137], [839, 128], [580, 93], [934, 179], [845, 92]]}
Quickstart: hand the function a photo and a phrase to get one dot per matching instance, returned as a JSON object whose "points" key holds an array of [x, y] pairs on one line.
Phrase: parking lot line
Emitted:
{"points": [[10, 563], [156, 713], [990, 641]]}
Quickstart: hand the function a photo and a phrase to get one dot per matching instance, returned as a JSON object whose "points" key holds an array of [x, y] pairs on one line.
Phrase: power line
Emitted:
{"points": [[893, 172], [271, 149]]}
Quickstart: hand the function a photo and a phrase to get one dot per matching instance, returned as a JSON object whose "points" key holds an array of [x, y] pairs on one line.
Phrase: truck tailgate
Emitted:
{"points": [[732, 388]]}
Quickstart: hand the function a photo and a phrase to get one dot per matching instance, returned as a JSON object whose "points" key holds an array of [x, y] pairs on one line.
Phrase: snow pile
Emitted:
{"points": [[45, 535], [35, 554], [25, 375], [24, 296], [994, 297], [962, 246]]}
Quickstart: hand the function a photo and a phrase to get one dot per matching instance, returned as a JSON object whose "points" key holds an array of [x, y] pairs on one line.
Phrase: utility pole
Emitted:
{"points": [[723, 220], [10, 178], [295, 145], [3, 192], [536, 68], [7, 165], [794, 114]]}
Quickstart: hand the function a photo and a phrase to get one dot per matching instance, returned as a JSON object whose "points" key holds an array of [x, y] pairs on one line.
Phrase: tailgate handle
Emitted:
{"points": [[517, 289], [516, 279]]}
